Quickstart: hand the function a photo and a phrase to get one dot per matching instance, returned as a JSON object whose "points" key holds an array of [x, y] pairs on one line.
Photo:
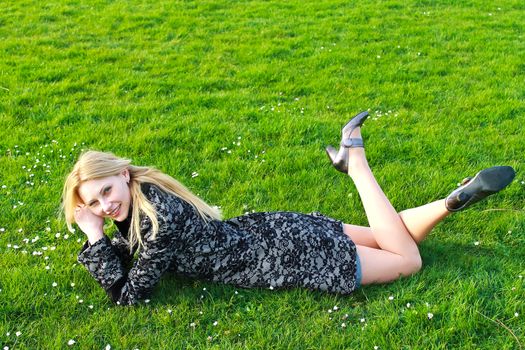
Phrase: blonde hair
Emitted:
{"points": [[93, 165]]}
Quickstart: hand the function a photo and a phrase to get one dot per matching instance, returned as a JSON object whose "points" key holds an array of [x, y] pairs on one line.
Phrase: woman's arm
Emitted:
{"points": [[155, 257]]}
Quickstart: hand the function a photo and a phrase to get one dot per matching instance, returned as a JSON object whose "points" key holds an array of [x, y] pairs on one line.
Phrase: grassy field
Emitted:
{"points": [[237, 100]]}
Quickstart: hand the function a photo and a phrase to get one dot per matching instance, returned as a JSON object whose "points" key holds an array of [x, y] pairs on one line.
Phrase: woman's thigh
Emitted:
{"points": [[360, 235], [381, 266]]}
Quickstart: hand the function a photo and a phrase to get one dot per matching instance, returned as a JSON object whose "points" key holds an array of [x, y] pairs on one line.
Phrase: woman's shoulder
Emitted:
{"points": [[160, 198], [154, 193]]}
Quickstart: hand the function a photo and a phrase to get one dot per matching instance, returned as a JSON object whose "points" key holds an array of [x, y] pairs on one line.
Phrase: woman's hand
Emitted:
{"points": [[91, 224]]}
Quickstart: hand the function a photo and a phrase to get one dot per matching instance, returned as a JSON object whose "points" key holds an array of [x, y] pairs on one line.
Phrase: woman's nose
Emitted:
{"points": [[105, 205]]}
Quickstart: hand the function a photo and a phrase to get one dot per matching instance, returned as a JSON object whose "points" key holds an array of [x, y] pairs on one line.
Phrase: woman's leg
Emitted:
{"points": [[398, 254], [418, 221]]}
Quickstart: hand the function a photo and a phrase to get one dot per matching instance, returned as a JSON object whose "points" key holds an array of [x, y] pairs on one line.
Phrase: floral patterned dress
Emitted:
{"points": [[267, 250]]}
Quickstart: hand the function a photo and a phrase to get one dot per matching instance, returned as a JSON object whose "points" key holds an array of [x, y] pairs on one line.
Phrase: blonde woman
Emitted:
{"points": [[163, 227]]}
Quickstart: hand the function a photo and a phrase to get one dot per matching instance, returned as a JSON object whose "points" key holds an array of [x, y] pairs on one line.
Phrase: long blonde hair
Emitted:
{"points": [[93, 165]]}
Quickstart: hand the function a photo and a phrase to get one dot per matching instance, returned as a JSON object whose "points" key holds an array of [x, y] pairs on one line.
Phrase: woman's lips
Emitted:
{"points": [[116, 213]]}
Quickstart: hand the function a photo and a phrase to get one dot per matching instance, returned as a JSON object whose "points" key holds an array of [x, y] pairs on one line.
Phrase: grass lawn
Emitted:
{"points": [[237, 100]]}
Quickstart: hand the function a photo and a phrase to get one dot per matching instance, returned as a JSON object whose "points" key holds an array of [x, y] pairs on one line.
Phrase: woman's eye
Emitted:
{"points": [[93, 204], [107, 190]]}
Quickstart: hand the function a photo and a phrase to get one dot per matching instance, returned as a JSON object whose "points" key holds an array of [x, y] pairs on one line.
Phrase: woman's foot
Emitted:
{"points": [[485, 183], [351, 138]]}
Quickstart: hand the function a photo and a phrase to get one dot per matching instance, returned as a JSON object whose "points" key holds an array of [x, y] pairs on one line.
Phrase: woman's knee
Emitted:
{"points": [[413, 264]]}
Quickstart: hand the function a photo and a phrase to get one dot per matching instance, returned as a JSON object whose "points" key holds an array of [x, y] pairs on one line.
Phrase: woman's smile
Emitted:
{"points": [[115, 212]]}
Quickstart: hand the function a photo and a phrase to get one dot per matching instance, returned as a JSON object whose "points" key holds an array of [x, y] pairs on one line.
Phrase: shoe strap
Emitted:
{"points": [[352, 143]]}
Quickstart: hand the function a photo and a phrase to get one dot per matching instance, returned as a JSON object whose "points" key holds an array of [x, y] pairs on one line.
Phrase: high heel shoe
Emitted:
{"points": [[339, 158], [486, 182]]}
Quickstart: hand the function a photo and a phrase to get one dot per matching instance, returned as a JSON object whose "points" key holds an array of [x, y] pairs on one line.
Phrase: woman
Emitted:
{"points": [[171, 229]]}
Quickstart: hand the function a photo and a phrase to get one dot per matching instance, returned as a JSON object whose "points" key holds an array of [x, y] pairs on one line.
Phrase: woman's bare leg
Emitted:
{"points": [[418, 221], [398, 253], [421, 220]]}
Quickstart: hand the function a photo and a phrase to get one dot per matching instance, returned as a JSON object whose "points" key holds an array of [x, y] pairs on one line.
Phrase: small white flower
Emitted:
{"points": [[271, 287], [2, 229], [80, 301], [476, 243], [18, 333], [91, 307], [66, 236], [408, 305], [170, 311], [54, 284], [430, 315], [72, 284], [192, 325], [378, 56], [376, 347], [236, 292], [194, 174], [509, 231], [47, 267], [362, 320], [71, 342], [6, 347], [391, 297], [147, 301], [108, 347], [336, 308], [215, 323], [516, 314], [57, 235], [343, 325], [329, 311]]}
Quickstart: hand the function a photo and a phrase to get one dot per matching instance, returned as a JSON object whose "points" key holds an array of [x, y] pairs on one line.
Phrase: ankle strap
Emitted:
{"points": [[352, 143]]}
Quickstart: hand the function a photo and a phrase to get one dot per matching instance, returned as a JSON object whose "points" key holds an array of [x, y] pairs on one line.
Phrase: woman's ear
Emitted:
{"points": [[125, 173]]}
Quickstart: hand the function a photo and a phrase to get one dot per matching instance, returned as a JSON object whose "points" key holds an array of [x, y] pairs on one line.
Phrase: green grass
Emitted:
{"points": [[172, 83]]}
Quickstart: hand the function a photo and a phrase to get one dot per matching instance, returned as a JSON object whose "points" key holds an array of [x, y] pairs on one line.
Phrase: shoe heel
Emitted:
{"points": [[340, 162]]}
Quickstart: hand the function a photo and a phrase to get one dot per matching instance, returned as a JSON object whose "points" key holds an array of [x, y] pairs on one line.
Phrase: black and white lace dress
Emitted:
{"points": [[268, 250]]}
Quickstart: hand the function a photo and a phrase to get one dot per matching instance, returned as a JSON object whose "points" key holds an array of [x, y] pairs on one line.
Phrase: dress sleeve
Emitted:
{"points": [[155, 257], [122, 248]]}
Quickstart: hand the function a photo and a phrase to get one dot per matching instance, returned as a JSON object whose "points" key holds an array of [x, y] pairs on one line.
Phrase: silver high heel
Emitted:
{"points": [[339, 158], [472, 190]]}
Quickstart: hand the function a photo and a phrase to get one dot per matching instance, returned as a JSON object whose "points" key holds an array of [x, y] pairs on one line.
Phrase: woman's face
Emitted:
{"points": [[107, 197]]}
